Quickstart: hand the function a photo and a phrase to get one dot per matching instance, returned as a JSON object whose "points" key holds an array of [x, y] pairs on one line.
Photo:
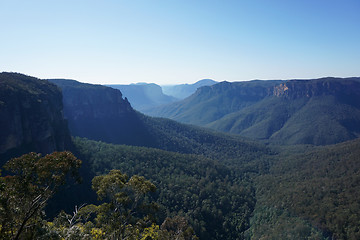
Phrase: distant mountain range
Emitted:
{"points": [[319, 111], [182, 91], [144, 95]]}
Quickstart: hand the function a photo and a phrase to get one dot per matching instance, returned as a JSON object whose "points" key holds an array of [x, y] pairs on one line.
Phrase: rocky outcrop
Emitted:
{"points": [[31, 116], [294, 89]]}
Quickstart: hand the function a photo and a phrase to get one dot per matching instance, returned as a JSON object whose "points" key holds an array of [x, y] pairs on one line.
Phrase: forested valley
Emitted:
{"points": [[155, 178]]}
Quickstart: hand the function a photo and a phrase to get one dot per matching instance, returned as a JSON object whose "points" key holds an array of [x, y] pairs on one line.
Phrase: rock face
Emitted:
{"points": [[31, 116], [100, 113]]}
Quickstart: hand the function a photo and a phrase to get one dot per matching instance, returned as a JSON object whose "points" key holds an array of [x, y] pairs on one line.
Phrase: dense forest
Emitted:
{"points": [[155, 178], [305, 192], [198, 188], [320, 185]]}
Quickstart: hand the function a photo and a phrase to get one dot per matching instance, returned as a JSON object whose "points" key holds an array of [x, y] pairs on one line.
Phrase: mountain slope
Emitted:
{"points": [[320, 111], [31, 116], [143, 96], [210, 103]]}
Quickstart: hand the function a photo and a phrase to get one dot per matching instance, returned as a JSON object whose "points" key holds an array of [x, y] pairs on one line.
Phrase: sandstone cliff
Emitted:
{"points": [[31, 116]]}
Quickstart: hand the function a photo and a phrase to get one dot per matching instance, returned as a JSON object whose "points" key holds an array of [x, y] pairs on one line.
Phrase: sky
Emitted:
{"points": [[180, 41]]}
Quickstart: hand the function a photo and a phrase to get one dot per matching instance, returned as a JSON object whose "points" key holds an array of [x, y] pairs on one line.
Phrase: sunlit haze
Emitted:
{"points": [[171, 42]]}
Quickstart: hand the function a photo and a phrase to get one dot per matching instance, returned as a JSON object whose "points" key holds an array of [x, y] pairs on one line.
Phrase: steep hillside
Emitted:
{"points": [[182, 91], [321, 111], [143, 96], [31, 116]]}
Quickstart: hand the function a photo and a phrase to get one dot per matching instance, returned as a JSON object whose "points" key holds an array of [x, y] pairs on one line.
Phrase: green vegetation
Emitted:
{"points": [[319, 120], [303, 192], [202, 190], [125, 212], [320, 185]]}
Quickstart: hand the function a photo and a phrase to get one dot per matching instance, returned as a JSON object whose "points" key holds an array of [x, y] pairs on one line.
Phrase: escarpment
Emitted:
{"points": [[31, 116]]}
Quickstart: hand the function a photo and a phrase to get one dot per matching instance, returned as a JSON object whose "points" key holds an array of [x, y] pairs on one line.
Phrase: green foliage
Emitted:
{"points": [[25, 193], [125, 201]]}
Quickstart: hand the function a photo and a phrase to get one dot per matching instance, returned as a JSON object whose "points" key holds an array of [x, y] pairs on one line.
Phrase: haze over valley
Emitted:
{"points": [[218, 177]]}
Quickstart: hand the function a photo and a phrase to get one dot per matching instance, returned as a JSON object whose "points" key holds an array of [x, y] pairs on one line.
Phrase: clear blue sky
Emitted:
{"points": [[179, 41]]}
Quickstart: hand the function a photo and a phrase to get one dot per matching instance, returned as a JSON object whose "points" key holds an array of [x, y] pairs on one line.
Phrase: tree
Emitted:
{"points": [[24, 193], [177, 228], [127, 209]]}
